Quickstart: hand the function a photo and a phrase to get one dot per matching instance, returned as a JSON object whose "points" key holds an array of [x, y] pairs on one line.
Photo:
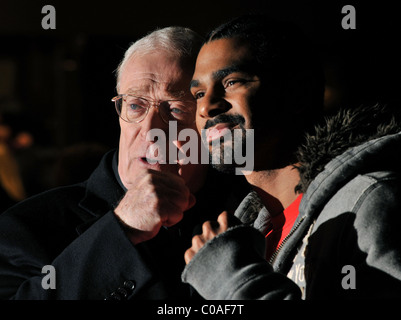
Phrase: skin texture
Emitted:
{"points": [[225, 83], [157, 194]]}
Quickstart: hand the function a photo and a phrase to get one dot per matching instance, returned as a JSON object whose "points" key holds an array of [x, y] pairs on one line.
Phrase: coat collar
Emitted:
{"points": [[103, 191]]}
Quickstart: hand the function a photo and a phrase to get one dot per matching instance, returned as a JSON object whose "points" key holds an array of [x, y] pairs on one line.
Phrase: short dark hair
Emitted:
{"points": [[286, 60]]}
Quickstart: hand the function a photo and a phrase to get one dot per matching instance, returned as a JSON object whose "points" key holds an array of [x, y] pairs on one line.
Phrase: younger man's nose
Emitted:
{"points": [[211, 106]]}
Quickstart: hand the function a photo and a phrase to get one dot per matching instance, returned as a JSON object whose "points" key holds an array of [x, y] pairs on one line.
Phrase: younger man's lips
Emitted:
{"points": [[217, 131]]}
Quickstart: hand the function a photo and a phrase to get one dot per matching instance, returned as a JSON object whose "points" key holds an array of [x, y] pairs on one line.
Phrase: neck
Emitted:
{"points": [[275, 187]]}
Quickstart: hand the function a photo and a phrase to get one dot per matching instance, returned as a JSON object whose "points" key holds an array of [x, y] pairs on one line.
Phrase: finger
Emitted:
{"points": [[227, 220], [166, 177], [188, 255], [198, 242], [169, 200], [210, 229], [172, 219], [180, 160], [167, 184], [168, 181], [172, 213], [179, 170], [222, 219]]}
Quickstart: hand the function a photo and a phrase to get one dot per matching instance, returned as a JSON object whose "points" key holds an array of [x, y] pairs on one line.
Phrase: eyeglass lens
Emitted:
{"points": [[134, 109]]}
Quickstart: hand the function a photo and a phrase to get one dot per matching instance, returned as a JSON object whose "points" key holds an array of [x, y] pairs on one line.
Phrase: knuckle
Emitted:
{"points": [[173, 218], [206, 227], [209, 228], [197, 242], [189, 255], [223, 220]]}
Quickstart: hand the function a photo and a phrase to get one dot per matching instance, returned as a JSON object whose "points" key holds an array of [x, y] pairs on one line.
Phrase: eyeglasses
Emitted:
{"points": [[132, 108]]}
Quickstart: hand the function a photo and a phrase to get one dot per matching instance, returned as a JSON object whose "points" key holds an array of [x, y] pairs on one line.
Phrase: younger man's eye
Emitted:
{"points": [[199, 95]]}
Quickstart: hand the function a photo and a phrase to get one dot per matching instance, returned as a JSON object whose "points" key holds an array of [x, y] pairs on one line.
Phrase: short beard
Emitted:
{"points": [[216, 159]]}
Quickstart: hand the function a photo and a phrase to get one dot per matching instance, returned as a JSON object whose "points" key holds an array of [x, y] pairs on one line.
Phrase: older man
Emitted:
{"points": [[122, 233]]}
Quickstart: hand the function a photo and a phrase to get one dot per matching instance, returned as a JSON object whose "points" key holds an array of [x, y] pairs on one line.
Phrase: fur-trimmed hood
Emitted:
{"points": [[345, 129], [350, 148]]}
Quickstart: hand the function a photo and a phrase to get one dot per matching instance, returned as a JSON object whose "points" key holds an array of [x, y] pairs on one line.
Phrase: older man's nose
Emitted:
{"points": [[153, 120]]}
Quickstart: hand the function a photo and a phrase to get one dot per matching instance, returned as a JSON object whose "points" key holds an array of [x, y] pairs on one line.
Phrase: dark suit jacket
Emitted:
{"points": [[74, 230]]}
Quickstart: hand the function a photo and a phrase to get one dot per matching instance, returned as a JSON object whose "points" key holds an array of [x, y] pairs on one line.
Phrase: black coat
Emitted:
{"points": [[74, 230]]}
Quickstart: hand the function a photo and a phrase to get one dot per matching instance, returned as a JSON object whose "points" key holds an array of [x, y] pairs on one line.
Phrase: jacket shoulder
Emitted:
{"points": [[53, 197]]}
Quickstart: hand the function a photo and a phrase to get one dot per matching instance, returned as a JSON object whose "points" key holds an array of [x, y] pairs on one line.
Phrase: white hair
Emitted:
{"points": [[180, 42]]}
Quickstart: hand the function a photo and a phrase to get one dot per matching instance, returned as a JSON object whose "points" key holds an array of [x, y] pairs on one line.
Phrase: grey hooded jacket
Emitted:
{"points": [[346, 242]]}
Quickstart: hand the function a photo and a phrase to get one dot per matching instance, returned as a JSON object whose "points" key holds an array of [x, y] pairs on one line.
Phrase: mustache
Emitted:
{"points": [[234, 119]]}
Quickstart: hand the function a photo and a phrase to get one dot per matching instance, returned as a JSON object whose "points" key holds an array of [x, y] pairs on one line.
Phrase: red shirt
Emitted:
{"points": [[281, 226]]}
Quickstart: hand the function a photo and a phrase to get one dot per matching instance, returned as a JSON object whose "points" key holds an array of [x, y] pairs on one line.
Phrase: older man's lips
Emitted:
{"points": [[147, 162], [218, 131], [158, 165]]}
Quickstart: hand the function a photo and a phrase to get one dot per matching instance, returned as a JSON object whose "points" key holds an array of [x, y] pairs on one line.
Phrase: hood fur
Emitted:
{"points": [[346, 129]]}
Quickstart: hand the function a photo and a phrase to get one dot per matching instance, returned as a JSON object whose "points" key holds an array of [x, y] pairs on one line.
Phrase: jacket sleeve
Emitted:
{"points": [[231, 267], [99, 262], [377, 224]]}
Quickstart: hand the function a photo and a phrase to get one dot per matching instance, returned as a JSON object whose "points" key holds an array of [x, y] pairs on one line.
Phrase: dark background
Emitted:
{"points": [[57, 84]]}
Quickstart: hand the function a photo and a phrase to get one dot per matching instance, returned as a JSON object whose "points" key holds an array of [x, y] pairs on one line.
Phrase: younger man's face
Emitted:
{"points": [[229, 96]]}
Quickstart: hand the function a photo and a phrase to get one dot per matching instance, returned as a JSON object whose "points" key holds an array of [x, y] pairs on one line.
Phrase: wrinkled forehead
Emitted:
{"points": [[156, 74], [151, 86]]}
